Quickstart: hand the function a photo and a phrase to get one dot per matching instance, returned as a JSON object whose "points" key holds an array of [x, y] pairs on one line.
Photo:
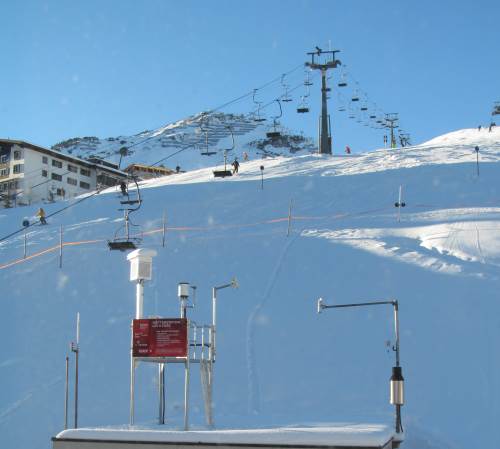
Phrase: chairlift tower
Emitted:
{"points": [[325, 138], [391, 121]]}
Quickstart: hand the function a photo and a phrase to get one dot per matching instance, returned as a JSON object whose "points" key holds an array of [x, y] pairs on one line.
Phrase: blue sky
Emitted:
{"points": [[118, 67]]}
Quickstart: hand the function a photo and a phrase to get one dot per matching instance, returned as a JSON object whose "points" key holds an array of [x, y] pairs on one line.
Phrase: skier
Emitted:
{"points": [[245, 156], [41, 215], [347, 149], [235, 165], [123, 188], [479, 128]]}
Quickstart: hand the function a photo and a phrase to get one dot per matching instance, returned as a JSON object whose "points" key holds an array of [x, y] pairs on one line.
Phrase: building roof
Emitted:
{"points": [[135, 166]]}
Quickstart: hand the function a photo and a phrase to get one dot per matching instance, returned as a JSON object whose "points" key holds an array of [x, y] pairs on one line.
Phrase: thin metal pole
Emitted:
{"points": [[186, 393], [396, 329], [25, 238], [399, 202], [214, 319], [60, 245], [132, 378], [77, 352], [289, 218], [66, 394], [163, 230], [161, 392], [477, 160]]}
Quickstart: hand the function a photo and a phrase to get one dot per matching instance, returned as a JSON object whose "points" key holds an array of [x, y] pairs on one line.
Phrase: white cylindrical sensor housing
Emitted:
{"points": [[183, 290]]}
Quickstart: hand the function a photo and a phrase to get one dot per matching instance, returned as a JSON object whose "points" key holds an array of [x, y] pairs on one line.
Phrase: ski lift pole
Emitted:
{"points": [[262, 177]]}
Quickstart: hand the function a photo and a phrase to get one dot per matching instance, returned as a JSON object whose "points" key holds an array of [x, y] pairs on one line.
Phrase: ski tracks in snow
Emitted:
{"points": [[253, 378]]}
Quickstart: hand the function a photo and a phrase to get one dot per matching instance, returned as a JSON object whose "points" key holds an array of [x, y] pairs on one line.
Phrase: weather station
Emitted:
{"points": [[180, 340]]}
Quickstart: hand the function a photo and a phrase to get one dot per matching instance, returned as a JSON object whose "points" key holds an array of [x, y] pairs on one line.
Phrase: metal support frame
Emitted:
{"points": [[325, 139], [205, 357], [397, 378]]}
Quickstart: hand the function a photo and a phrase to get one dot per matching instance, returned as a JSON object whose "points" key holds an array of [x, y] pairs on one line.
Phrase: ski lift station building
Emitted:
{"points": [[31, 173], [147, 171]]}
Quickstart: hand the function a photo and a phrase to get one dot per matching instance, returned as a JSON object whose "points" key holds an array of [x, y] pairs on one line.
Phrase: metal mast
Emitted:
{"points": [[325, 138], [391, 120]]}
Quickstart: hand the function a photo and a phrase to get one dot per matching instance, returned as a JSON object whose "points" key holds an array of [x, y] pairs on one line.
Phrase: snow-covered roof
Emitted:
{"points": [[344, 435]]}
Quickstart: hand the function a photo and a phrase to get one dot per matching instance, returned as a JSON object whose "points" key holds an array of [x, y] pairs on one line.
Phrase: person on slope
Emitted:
{"points": [[347, 149], [236, 166], [41, 215], [245, 156]]}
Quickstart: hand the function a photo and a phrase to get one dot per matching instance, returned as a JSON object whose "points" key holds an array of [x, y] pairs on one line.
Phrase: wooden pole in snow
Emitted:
{"points": [[60, 245], [289, 218], [164, 222]]}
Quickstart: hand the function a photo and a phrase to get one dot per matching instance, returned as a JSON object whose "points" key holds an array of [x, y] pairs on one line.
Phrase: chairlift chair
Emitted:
{"points": [[275, 133], [286, 96], [257, 117], [303, 107], [131, 205], [307, 81], [223, 173]]}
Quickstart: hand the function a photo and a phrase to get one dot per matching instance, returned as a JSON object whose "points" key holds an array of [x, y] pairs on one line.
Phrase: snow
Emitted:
{"points": [[279, 363], [371, 435]]}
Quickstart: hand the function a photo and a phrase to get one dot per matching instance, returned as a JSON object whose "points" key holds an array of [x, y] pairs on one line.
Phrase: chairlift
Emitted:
{"points": [[225, 172], [131, 205], [303, 106], [496, 108], [286, 96], [363, 108], [204, 130], [307, 81], [275, 133], [230, 128], [257, 117], [343, 78]]}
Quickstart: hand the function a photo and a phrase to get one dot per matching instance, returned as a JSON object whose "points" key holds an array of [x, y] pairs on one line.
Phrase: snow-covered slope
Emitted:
{"points": [[184, 142], [279, 363]]}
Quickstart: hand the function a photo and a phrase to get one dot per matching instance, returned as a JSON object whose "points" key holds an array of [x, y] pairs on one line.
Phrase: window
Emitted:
{"points": [[57, 164], [3, 158], [45, 160], [84, 185], [56, 177], [18, 168], [60, 192], [4, 172], [44, 173], [84, 172], [72, 181], [18, 154], [72, 168]]}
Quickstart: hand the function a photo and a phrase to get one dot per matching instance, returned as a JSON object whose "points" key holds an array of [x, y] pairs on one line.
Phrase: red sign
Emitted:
{"points": [[160, 337]]}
